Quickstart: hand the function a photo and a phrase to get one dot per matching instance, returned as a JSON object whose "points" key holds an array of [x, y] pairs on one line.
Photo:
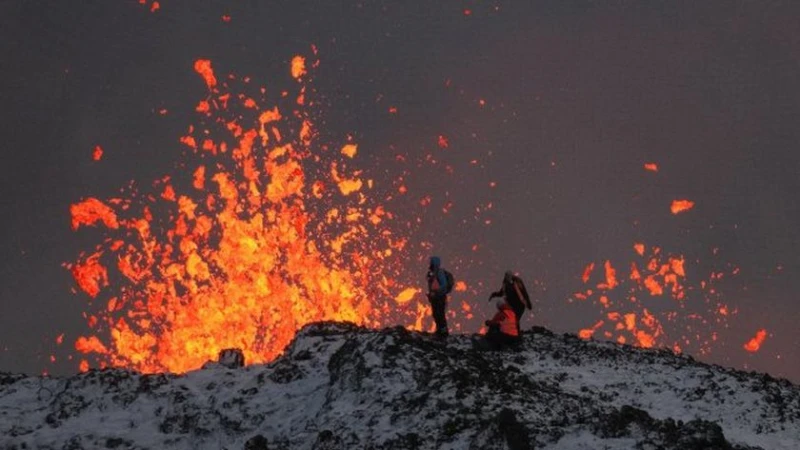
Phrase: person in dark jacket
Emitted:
{"points": [[515, 294], [437, 294], [503, 329]]}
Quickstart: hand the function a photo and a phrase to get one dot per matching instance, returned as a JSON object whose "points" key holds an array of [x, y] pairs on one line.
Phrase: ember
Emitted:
{"points": [[754, 344], [679, 206]]}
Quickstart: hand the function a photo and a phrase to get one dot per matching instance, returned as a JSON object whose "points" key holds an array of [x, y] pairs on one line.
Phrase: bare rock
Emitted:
{"points": [[232, 358]]}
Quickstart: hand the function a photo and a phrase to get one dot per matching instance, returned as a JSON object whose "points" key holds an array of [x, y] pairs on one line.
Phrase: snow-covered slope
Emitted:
{"points": [[339, 386]]}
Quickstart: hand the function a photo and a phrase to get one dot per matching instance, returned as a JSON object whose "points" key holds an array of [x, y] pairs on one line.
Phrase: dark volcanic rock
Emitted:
{"points": [[341, 386], [257, 442], [232, 358]]}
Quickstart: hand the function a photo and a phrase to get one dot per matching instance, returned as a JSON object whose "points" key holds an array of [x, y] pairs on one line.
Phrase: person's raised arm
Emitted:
{"points": [[499, 293]]}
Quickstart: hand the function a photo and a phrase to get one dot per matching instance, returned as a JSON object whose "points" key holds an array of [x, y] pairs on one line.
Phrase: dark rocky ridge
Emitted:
{"points": [[339, 386]]}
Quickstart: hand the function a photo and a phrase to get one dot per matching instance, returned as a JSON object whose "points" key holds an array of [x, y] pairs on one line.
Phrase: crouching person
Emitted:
{"points": [[503, 329]]}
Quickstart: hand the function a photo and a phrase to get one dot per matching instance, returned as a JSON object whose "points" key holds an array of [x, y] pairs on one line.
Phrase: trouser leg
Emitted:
{"points": [[498, 340], [438, 305], [494, 338], [518, 312]]}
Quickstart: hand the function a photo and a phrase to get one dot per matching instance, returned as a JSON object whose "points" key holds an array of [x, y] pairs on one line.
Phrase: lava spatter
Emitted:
{"points": [[754, 344], [261, 229], [654, 305]]}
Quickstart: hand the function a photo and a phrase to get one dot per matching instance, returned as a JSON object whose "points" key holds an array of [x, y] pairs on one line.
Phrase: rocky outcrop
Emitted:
{"points": [[339, 386]]}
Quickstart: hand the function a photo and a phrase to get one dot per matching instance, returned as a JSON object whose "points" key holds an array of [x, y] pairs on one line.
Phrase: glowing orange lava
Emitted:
{"points": [[587, 333], [298, 66], [154, 6], [443, 142], [264, 230], [754, 344], [637, 307], [679, 206]]}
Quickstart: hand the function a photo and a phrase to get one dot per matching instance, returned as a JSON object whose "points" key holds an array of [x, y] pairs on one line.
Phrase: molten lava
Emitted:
{"points": [[679, 206], [154, 5], [263, 230], [754, 344], [654, 297]]}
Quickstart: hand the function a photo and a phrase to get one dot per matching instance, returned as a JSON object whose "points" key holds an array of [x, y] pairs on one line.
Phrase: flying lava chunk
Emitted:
{"points": [[679, 206]]}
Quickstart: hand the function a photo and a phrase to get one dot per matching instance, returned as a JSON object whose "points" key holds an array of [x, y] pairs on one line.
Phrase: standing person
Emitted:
{"points": [[439, 285], [503, 329], [515, 294]]}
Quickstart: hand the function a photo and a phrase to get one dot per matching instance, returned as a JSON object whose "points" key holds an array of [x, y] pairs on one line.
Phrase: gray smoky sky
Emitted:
{"points": [[577, 96]]}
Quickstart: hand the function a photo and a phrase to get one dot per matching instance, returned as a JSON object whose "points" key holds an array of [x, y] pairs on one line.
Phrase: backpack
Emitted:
{"points": [[450, 281]]}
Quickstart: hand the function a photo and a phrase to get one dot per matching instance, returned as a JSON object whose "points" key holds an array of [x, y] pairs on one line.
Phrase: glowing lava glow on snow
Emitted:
{"points": [[263, 229]]}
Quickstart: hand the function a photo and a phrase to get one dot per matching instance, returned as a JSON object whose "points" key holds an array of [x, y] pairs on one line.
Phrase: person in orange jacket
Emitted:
{"points": [[514, 292], [503, 327]]}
